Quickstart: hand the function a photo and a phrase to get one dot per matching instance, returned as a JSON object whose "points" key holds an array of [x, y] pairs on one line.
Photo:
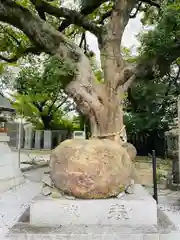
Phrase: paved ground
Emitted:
{"points": [[29, 159], [14, 202]]}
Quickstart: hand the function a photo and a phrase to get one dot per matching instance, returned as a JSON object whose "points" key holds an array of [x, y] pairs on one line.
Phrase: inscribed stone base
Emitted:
{"points": [[138, 208]]}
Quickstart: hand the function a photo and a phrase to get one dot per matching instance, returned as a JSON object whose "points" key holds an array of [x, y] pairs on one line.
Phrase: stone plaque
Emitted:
{"points": [[28, 138], [47, 139], [38, 135]]}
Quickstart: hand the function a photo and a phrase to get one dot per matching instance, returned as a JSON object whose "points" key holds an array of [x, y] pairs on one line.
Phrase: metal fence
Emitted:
{"points": [[146, 143]]}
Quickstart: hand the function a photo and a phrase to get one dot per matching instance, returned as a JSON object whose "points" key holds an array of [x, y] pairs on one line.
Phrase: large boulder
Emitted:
{"points": [[131, 150], [90, 168]]}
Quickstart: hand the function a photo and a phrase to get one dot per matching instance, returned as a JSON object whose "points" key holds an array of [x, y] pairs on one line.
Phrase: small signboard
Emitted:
{"points": [[79, 135]]}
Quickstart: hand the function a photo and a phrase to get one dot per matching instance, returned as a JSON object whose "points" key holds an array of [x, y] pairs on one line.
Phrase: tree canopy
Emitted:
{"points": [[39, 95]]}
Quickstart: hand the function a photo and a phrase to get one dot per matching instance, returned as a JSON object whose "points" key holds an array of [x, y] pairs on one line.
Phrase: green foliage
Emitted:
{"points": [[12, 41], [162, 42], [151, 105], [23, 105], [41, 112], [40, 98], [47, 73], [24, 3], [127, 55], [151, 14], [55, 69]]}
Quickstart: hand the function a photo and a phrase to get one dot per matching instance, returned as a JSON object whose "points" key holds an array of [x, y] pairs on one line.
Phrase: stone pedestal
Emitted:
{"points": [[138, 208], [10, 174]]}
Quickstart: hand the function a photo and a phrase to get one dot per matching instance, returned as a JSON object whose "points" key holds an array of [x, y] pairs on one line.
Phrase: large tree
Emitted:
{"points": [[39, 95], [101, 102]]}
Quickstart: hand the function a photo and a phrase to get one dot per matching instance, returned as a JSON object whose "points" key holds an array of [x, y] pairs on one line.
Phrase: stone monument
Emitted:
{"points": [[10, 174], [90, 183]]}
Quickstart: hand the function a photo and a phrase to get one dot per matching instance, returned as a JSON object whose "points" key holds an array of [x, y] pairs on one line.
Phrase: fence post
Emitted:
{"points": [[155, 196], [179, 136], [19, 142]]}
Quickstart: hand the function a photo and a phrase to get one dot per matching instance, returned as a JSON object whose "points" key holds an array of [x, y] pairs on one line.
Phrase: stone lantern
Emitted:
{"points": [[6, 112], [10, 174]]}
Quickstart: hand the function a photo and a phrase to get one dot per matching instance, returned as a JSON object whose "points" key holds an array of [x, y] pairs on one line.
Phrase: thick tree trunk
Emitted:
{"points": [[110, 121], [110, 124]]}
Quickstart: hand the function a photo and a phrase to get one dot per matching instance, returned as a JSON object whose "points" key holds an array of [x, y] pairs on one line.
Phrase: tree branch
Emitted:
{"points": [[86, 10], [137, 10], [11, 35], [52, 104], [65, 99], [126, 77], [152, 3], [53, 42], [23, 52], [82, 39], [73, 16], [40, 105], [104, 16], [39, 9], [129, 82], [109, 12]]}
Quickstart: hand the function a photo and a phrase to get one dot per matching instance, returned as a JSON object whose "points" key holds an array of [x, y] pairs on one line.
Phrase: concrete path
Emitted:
{"points": [[32, 160], [15, 201], [169, 203]]}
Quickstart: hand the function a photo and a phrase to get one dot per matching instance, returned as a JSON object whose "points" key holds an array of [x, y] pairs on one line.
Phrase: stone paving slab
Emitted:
{"points": [[164, 230], [94, 236], [91, 232], [172, 212], [14, 202]]}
